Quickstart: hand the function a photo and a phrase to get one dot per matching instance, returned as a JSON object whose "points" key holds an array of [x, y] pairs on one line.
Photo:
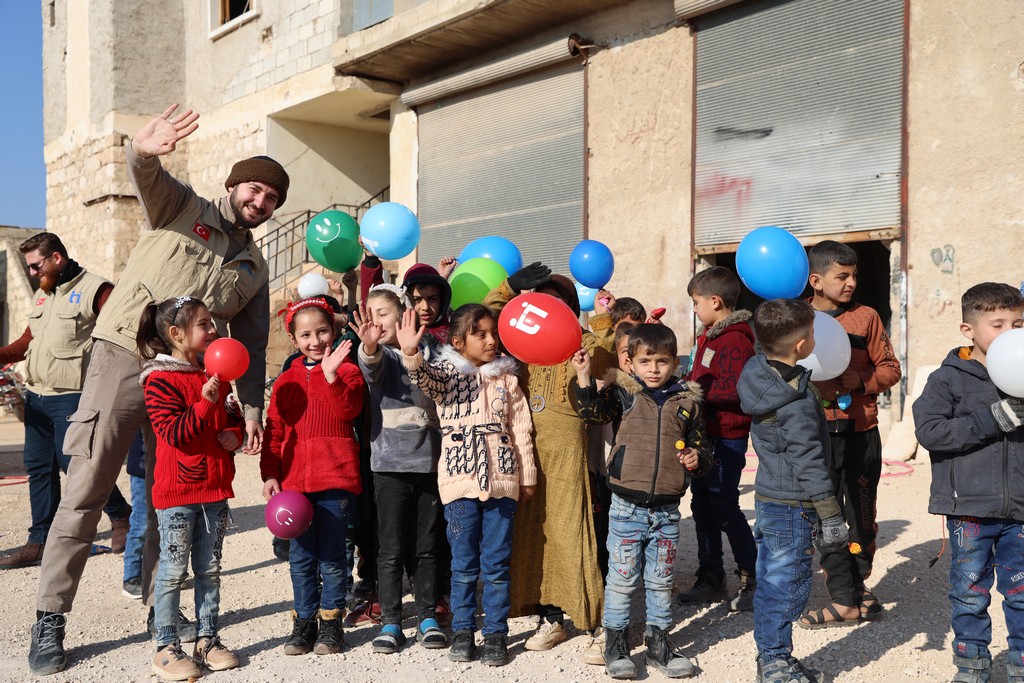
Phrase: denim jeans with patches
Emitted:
{"points": [[981, 550], [321, 549], [785, 547], [196, 533], [480, 534], [641, 542]]}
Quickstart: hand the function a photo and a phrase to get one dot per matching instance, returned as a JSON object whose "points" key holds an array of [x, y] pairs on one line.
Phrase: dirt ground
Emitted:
{"points": [[107, 641]]}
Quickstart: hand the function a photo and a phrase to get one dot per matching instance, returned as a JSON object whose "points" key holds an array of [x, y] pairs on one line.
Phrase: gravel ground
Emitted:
{"points": [[106, 637]]}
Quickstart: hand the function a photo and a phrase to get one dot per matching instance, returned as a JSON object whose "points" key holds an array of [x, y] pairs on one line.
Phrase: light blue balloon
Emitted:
{"points": [[772, 263], [592, 263], [586, 296], [390, 230], [496, 248]]}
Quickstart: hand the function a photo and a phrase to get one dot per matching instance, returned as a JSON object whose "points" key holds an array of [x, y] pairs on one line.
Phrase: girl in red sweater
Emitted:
{"points": [[197, 427], [310, 446]]}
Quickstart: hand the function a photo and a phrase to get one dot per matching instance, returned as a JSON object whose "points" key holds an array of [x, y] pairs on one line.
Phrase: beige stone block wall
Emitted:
{"points": [[966, 162]]}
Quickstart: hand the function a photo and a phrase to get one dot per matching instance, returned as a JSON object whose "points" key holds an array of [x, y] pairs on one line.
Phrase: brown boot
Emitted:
{"points": [[28, 555], [118, 533]]}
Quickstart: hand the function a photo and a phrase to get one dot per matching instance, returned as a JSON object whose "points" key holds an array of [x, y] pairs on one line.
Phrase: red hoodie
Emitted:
{"points": [[722, 351]]}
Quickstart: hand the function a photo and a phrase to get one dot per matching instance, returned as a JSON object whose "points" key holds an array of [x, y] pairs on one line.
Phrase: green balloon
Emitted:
{"points": [[473, 279], [332, 238]]}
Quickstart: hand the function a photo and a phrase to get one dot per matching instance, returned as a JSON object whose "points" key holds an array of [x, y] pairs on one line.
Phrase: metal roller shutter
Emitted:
{"points": [[799, 115], [505, 160]]}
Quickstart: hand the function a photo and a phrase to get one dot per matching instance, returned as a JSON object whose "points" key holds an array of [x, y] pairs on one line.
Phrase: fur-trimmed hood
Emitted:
{"points": [[740, 316], [165, 363], [501, 365], [632, 385]]}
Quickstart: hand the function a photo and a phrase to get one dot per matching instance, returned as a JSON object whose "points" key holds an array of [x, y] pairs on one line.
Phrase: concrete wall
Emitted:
{"points": [[966, 162]]}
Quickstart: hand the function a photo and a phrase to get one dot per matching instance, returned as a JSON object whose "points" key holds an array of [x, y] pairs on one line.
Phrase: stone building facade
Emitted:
{"points": [[346, 107]]}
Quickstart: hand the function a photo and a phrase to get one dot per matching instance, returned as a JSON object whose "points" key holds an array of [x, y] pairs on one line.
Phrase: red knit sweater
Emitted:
{"points": [[191, 465], [309, 444], [722, 351]]}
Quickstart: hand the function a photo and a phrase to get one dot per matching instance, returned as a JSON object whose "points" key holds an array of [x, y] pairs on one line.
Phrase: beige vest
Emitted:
{"points": [[185, 258], [62, 323]]}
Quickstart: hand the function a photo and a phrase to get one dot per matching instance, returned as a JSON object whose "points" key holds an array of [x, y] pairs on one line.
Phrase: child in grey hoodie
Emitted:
{"points": [[404, 450]]}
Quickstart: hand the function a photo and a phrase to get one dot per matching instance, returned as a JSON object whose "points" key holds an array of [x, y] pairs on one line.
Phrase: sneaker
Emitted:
{"points": [[744, 600], [494, 651], [330, 637], [367, 612], [303, 635], [212, 654], [186, 627], [28, 555], [463, 647], [132, 588], [46, 653], [663, 657], [548, 634], [709, 587], [618, 663], [787, 670], [282, 548], [594, 654], [171, 664], [430, 635], [119, 533], [389, 641]]}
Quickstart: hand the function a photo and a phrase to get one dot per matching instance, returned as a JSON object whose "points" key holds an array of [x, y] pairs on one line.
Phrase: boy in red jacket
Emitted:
{"points": [[852, 414], [722, 350]]}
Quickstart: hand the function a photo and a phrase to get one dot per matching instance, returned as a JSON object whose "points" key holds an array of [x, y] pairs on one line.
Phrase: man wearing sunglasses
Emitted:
{"points": [[56, 346]]}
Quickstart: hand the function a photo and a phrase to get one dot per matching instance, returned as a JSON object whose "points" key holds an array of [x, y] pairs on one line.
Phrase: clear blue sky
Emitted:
{"points": [[22, 171]]}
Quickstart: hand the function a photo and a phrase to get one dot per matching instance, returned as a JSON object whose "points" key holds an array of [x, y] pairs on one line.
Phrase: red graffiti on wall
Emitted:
{"points": [[718, 186]]}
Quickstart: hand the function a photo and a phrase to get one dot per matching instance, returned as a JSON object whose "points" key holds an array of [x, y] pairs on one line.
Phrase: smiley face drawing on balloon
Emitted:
{"points": [[288, 520], [327, 231]]}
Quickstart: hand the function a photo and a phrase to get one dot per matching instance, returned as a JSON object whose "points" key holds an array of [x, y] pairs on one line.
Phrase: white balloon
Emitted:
{"points": [[312, 284], [831, 354], [1005, 362]]}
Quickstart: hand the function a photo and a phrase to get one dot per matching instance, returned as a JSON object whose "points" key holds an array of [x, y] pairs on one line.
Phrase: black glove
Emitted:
{"points": [[529, 277], [832, 533], [1009, 413]]}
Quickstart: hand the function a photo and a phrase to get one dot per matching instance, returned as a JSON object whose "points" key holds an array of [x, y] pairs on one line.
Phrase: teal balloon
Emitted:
{"points": [[332, 238], [473, 279]]}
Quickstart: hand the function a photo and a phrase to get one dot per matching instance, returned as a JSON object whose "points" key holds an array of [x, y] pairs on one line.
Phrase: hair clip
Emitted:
{"points": [[182, 300], [394, 289]]}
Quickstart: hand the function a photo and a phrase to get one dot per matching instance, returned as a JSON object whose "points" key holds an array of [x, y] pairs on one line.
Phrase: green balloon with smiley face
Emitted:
{"points": [[332, 238]]}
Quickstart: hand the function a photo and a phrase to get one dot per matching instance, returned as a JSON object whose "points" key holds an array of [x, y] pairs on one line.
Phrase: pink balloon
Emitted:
{"points": [[226, 359], [288, 514]]}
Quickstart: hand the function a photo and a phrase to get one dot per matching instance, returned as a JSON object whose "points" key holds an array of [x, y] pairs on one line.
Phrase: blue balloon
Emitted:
{"points": [[772, 263], [495, 248], [592, 264], [390, 230], [586, 296]]}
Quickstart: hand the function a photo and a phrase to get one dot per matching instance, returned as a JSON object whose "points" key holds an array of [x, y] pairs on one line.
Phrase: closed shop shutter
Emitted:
{"points": [[799, 119], [505, 160]]}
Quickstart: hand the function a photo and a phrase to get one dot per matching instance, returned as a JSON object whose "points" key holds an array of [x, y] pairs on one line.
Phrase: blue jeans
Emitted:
{"points": [[46, 422], [784, 535], [715, 505], [480, 535], [980, 549], [321, 550], [640, 541], [196, 532], [136, 529]]}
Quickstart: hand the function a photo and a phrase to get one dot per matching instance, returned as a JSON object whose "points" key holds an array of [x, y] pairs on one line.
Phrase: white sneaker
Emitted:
{"points": [[549, 634], [594, 654]]}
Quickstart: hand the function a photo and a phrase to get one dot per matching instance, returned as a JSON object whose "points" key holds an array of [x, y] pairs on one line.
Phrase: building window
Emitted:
{"points": [[228, 15], [232, 9], [366, 13]]}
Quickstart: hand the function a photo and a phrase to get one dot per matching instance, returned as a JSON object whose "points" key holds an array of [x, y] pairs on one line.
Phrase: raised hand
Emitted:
{"points": [[581, 361], [446, 265], [369, 332], [408, 332], [162, 133], [334, 359], [604, 301], [351, 281], [211, 390], [529, 277]]}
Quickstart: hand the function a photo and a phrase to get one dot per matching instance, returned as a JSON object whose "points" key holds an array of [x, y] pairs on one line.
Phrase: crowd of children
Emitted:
{"points": [[479, 470]]}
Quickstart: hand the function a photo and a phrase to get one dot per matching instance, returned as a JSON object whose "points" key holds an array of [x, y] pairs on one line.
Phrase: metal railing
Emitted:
{"points": [[284, 246]]}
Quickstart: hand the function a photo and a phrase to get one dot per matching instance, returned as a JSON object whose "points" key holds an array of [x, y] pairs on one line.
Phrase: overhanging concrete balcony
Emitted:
{"points": [[440, 33]]}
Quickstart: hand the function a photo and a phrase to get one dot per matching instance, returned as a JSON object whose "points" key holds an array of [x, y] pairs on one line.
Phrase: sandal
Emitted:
{"points": [[815, 619], [871, 608]]}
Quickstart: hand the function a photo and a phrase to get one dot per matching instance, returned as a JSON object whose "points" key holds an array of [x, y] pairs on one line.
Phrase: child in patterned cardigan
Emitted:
{"points": [[486, 467]]}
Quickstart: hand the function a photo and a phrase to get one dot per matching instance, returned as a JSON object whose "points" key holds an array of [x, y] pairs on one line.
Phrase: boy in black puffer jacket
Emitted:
{"points": [[972, 431]]}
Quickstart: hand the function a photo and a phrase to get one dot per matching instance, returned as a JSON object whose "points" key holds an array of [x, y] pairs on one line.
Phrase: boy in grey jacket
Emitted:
{"points": [[972, 432], [793, 495]]}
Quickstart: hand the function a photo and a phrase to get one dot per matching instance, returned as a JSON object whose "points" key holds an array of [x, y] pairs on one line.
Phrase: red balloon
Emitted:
{"points": [[539, 329], [288, 514], [226, 359]]}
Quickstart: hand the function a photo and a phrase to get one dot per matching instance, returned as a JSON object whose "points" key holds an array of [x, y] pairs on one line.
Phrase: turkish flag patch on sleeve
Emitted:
{"points": [[202, 231]]}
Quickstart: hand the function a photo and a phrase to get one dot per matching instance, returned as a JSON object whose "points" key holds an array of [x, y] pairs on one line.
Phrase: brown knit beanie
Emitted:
{"points": [[261, 169]]}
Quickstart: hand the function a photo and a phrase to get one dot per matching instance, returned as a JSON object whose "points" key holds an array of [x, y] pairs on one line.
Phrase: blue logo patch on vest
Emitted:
{"points": [[246, 267], [76, 297]]}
